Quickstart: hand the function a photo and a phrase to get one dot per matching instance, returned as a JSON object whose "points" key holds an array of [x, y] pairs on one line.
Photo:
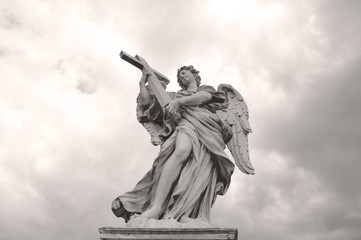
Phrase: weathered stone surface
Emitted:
{"points": [[192, 126], [107, 233]]}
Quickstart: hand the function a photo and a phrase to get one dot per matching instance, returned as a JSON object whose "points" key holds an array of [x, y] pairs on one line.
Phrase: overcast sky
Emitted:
{"points": [[70, 142]]}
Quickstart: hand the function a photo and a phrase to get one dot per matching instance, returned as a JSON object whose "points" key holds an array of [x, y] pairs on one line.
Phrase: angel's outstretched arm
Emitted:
{"points": [[196, 99]]}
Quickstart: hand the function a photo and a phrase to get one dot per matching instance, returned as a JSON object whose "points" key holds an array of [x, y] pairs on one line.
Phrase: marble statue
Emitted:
{"points": [[192, 126]]}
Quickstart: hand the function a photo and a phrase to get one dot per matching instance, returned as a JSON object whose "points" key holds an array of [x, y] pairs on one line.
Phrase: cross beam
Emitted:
{"points": [[154, 78]]}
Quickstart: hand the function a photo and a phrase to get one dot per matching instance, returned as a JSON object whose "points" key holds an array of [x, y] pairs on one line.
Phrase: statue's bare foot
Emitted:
{"points": [[152, 212], [185, 219]]}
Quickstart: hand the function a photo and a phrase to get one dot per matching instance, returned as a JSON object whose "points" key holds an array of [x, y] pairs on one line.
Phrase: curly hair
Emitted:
{"points": [[193, 71]]}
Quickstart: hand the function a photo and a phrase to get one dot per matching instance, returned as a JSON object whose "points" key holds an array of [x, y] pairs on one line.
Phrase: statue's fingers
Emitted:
{"points": [[168, 111], [171, 111], [146, 78]]}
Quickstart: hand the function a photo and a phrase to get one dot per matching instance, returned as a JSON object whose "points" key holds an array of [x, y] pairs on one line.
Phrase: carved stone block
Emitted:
{"points": [[107, 233]]}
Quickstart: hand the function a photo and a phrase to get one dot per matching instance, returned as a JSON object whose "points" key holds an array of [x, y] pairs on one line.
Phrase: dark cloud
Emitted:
{"points": [[339, 21], [9, 20], [319, 128], [323, 131], [84, 86], [333, 131]]}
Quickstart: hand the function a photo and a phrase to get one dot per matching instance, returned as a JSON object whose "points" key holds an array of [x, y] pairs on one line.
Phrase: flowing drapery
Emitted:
{"points": [[205, 174]]}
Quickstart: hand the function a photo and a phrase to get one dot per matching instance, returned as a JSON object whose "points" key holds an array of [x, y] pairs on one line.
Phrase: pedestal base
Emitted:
{"points": [[107, 233]]}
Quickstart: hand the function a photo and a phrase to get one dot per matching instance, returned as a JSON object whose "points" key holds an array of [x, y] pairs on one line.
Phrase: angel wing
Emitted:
{"points": [[236, 116]]}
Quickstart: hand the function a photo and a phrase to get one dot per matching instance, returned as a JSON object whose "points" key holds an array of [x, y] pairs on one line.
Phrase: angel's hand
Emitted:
{"points": [[173, 107], [144, 94], [144, 78]]}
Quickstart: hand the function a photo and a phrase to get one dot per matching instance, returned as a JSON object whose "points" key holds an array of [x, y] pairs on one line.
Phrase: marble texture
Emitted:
{"points": [[168, 233]]}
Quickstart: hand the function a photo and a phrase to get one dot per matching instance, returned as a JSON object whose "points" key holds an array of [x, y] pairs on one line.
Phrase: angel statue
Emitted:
{"points": [[192, 167]]}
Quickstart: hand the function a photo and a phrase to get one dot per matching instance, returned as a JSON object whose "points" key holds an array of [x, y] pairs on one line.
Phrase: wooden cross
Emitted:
{"points": [[154, 79]]}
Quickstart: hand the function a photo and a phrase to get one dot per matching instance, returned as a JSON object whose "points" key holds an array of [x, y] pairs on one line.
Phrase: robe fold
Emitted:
{"points": [[205, 174]]}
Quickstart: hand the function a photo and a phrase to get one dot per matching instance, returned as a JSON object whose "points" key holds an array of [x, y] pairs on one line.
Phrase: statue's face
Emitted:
{"points": [[186, 77]]}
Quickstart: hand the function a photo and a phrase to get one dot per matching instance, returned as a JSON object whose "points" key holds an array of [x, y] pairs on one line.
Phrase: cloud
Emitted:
{"points": [[9, 20], [66, 155], [86, 86]]}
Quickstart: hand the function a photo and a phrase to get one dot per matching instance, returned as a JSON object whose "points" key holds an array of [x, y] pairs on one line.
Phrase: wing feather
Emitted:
{"points": [[236, 116]]}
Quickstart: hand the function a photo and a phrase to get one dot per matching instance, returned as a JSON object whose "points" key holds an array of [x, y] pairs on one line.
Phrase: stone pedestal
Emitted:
{"points": [[107, 233]]}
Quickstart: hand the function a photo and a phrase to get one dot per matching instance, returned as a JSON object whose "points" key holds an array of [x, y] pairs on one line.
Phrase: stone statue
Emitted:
{"points": [[192, 127]]}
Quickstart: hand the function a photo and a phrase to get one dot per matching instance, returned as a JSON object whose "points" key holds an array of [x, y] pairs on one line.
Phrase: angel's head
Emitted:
{"points": [[188, 70]]}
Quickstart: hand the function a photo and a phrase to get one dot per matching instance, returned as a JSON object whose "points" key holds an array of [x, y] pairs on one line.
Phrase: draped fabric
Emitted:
{"points": [[206, 173]]}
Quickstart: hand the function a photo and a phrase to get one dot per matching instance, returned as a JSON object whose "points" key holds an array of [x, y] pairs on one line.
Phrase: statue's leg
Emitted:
{"points": [[171, 171]]}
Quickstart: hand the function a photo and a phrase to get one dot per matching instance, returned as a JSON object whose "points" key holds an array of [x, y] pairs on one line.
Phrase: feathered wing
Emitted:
{"points": [[236, 116]]}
